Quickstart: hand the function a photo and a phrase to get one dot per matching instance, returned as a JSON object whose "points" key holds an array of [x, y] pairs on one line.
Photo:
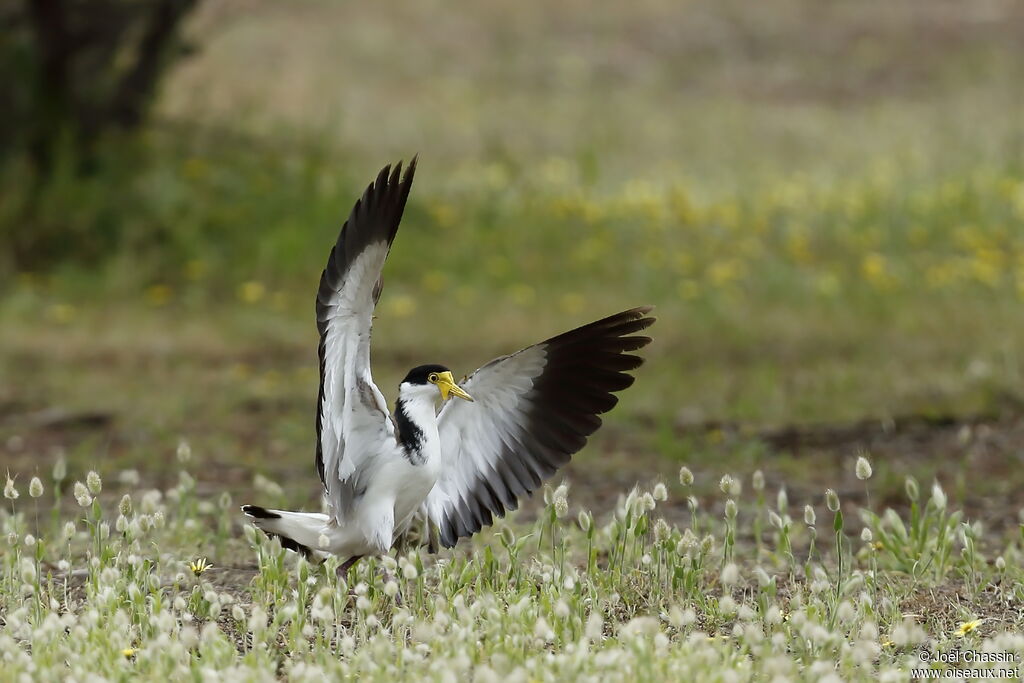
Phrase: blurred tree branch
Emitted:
{"points": [[86, 67], [75, 72]]}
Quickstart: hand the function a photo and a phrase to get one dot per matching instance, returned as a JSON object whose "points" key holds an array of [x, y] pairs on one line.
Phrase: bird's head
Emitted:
{"points": [[425, 379]]}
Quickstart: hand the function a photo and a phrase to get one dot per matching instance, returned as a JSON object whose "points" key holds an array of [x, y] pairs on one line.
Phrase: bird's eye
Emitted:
{"points": [[433, 377]]}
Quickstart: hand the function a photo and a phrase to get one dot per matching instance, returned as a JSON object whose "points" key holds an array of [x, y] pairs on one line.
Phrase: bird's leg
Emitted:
{"points": [[342, 570]]}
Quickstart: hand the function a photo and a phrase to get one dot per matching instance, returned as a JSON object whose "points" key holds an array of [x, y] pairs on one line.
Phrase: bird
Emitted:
{"points": [[453, 455]]}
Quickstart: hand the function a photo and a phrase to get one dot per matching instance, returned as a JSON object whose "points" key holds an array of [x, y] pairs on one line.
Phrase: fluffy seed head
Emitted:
{"points": [[685, 476], [60, 469], [661, 530], [809, 516], [584, 519], [82, 494], [707, 544], [93, 481], [863, 468], [35, 487], [10, 493], [560, 499], [184, 452], [912, 489], [729, 485], [832, 500]]}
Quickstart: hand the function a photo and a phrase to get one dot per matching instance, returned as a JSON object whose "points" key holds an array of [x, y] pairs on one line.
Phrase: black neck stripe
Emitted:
{"points": [[410, 434]]}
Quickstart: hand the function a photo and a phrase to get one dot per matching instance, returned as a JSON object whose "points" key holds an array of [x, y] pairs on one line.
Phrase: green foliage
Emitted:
{"points": [[923, 546]]}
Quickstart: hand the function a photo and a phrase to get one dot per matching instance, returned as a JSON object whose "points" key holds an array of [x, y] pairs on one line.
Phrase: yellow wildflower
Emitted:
{"points": [[158, 295], [195, 269], [968, 627], [873, 267], [443, 214], [401, 306], [572, 303], [60, 313], [199, 567], [251, 292], [194, 168], [689, 289], [435, 280], [522, 295]]}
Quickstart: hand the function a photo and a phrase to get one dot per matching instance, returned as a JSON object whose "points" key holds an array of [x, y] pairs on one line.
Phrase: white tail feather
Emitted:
{"points": [[302, 529]]}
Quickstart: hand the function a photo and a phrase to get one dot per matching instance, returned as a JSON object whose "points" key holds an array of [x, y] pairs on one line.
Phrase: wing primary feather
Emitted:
{"points": [[534, 409], [349, 288]]}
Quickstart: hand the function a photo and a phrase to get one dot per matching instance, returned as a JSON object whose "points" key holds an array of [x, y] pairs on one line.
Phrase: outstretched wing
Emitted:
{"points": [[532, 410], [351, 410]]}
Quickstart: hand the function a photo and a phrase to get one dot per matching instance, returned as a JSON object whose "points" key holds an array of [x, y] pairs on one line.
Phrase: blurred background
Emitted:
{"points": [[824, 200]]}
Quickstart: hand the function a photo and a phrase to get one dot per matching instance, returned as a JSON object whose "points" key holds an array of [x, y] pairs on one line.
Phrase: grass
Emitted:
{"points": [[127, 590], [826, 209], [792, 301]]}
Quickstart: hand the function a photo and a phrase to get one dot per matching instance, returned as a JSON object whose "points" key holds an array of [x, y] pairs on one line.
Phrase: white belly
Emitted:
{"points": [[395, 489], [411, 486], [386, 509]]}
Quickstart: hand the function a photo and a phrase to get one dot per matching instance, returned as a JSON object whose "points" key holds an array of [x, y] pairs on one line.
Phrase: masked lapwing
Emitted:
{"points": [[456, 456]]}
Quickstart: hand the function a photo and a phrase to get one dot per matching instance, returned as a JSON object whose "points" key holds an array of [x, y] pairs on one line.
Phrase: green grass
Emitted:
{"points": [[795, 301]]}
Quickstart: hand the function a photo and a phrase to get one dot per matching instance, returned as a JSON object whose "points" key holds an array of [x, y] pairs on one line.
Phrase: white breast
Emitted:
{"points": [[403, 478]]}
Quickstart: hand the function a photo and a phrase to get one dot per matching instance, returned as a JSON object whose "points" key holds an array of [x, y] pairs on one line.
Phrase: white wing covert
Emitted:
{"points": [[532, 410], [350, 406]]}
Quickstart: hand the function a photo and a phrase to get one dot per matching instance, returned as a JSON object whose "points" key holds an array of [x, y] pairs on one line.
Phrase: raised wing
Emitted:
{"points": [[350, 406], [532, 410]]}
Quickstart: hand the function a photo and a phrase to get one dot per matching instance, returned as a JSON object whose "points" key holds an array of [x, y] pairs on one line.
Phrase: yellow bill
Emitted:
{"points": [[446, 383]]}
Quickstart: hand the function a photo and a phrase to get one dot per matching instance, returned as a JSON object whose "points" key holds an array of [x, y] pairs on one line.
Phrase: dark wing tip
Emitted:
{"points": [[585, 368], [374, 217], [391, 175], [257, 512]]}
